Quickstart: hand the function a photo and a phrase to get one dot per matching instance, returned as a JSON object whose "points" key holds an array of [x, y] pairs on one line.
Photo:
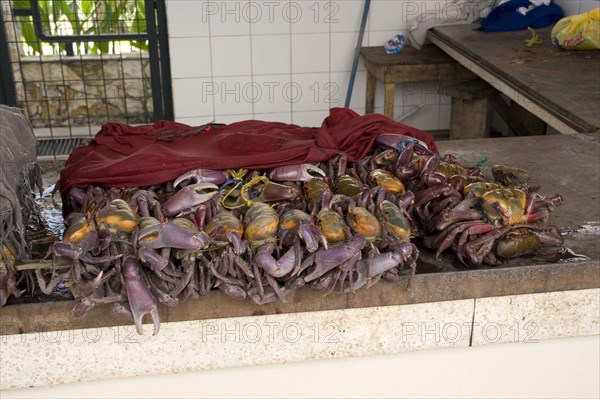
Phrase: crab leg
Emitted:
{"points": [[275, 286], [234, 291], [151, 257], [54, 281], [140, 299]]}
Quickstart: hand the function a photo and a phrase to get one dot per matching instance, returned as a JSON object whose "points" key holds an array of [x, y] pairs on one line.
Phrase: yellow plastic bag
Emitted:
{"points": [[578, 32]]}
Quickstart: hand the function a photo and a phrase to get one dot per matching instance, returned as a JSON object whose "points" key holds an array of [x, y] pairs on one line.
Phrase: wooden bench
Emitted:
{"points": [[425, 65], [471, 108]]}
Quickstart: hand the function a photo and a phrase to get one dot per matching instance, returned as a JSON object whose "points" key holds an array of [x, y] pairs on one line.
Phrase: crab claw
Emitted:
{"points": [[170, 235], [336, 255], [273, 192], [203, 176], [397, 141], [312, 236], [189, 198], [276, 268], [140, 299], [388, 260], [304, 172]]}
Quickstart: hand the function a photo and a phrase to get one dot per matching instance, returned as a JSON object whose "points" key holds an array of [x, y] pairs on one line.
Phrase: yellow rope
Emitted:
{"points": [[535, 38], [239, 175], [238, 178], [244, 188]]}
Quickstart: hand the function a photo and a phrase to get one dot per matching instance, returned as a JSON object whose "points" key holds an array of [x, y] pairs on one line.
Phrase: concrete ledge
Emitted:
{"points": [[73, 355], [426, 288]]}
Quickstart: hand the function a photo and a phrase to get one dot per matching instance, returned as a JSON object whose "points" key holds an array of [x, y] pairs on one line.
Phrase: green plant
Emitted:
{"points": [[85, 18]]}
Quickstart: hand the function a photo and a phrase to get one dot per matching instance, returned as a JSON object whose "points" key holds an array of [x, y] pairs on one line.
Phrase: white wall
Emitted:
{"points": [[287, 61], [290, 61], [572, 7], [559, 368]]}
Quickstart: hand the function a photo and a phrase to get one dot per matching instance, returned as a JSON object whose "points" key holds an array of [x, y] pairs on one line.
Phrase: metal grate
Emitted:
{"points": [[58, 147], [73, 65]]}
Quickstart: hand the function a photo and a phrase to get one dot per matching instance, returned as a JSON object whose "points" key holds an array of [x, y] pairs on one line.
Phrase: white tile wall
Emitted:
{"points": [[193, 57], [284, 60], [572, 7]]}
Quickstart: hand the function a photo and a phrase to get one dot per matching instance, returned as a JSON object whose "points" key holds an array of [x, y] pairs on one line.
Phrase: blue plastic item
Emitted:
{"points": [[505, 17], [395, 44]]}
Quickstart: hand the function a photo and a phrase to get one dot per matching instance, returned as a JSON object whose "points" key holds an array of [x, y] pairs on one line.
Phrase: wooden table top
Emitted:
{"points": [[569, 165], [565, 83], [429, 54]]}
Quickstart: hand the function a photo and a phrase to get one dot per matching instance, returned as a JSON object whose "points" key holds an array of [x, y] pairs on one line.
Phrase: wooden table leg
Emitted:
{"points": [[388, 101], [371, 82]]}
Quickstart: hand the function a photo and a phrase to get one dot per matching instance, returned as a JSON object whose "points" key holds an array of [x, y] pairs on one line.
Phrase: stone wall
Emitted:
{"points": [[85, 90]]}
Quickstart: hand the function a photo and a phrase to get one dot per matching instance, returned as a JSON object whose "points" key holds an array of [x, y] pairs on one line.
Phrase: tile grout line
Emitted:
{"points": [[212, 71], [291, 67], [251, 61]]}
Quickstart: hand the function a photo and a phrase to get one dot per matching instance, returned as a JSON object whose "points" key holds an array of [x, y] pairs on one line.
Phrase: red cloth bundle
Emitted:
{"points": [[132, 156]]}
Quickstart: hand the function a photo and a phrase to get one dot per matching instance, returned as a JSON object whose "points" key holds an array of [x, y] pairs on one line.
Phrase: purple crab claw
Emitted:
{"points": [[239, 246], [152, 258], [203, 176], [312, 236], [304, 172], [140, 299], [281, 267], [360, 278], [170, 235], [337, 255], [189, 198], [234, 291], [388, 260], [273, 192]]}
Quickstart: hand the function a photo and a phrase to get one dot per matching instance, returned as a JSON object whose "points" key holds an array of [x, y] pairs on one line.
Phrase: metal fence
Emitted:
{"points": [[76, 64]]}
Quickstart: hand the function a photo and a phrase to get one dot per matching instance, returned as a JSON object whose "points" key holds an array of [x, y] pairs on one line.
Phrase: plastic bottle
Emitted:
{"points": [[395, 44]]}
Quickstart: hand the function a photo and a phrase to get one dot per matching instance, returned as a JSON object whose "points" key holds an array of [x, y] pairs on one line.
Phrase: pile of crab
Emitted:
{"points": [[260, 234]]}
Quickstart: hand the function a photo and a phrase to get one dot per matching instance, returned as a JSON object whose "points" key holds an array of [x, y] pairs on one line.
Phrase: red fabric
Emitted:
{"points": [[130, 156]]}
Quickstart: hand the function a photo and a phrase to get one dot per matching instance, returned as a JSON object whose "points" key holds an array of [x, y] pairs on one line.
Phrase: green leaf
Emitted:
{"points": [[29, 35], [21, 4], [69, 10], [86, 17], [44, 7], [140, 17], [87, 6]]}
